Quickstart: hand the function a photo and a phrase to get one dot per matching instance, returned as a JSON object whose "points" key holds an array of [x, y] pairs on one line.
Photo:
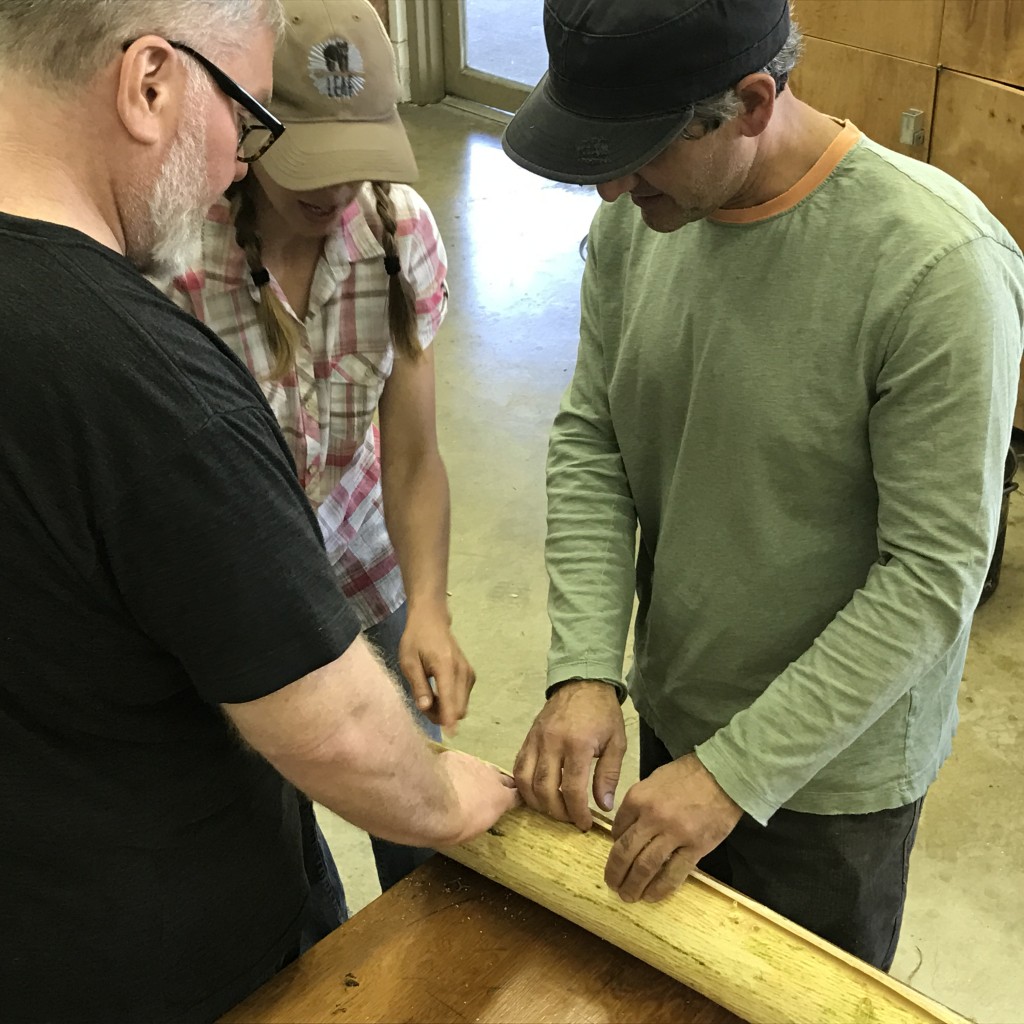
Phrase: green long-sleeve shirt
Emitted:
{"points": [[805, 408]]}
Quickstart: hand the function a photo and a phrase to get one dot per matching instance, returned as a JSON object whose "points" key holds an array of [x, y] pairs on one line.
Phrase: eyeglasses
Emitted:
{"points": [[253, 139], [699, 127]]}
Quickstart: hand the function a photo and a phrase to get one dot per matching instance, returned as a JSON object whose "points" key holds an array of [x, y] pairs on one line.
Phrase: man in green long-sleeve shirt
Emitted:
{"points": [[797, 368]]}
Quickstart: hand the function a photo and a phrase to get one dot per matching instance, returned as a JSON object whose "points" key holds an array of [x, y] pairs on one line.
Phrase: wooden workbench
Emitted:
{"points": [[448, 945]]}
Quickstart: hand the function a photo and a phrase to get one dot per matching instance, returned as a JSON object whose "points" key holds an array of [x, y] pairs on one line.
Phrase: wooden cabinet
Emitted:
{"points": [[960, 62], [871, 89], [978, 137], [984, 38], [901, 28]]}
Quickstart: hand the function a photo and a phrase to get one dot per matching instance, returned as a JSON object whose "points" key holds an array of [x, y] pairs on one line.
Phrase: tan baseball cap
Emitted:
{"points": [[336, 88]]}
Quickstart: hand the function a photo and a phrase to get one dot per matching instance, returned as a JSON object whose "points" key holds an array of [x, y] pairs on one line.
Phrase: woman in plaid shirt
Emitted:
{"points": [[328, 281]]}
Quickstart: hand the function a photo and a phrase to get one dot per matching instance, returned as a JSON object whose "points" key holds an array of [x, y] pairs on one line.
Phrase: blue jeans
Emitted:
{"points": [[393, 860], [326, 909], [327, 906]]}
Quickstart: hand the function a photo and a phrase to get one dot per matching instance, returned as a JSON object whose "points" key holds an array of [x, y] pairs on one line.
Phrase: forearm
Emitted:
{"points": [[417, 511], [360, 753], [894, 630], [589, 553], [938, 433]]}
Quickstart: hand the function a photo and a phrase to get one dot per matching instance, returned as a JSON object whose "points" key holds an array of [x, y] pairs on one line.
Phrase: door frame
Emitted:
{"points": [[437, 62]]}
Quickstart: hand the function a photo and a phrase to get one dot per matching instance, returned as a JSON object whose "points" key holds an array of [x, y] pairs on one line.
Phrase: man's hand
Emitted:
{"points": [[665, 825], [484, 793], [580, 722], [428, 649]]}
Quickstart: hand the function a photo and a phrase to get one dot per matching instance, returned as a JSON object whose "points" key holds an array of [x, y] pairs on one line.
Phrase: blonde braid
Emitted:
{"points": [[277, 326], [401, 300]]}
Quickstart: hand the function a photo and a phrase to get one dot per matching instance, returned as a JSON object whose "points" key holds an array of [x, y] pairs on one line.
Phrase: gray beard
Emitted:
{"points": [[163, 230]]}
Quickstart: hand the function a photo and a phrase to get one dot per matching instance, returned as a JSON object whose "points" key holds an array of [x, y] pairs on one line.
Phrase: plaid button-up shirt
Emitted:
{"points": [[326, 404]]}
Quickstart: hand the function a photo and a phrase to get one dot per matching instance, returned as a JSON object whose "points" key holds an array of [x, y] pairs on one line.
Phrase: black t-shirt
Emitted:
{"points": [[157, 557]]}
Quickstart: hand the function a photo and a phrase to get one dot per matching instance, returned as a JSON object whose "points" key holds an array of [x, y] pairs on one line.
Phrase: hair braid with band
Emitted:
{"points": [[277, 326], [401, 300]]}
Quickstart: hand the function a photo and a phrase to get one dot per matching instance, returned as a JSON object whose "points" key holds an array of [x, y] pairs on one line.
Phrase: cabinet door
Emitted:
{"points": [[871, 89], [900, 28], [978, 137], [985, 38]]}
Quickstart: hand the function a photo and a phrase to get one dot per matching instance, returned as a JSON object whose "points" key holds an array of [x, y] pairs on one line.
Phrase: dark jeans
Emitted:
{"points": [[841, 876], [393, 860], [327, 906]]}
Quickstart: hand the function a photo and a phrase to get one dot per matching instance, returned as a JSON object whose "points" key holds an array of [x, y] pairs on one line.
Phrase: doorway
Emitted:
{"points": [[489, 52]]}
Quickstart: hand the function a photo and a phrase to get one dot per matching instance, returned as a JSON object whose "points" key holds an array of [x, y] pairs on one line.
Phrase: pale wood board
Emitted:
{"points": [[985, 38], [900, 28], [978, 137], [709, 937], [870, 89]]}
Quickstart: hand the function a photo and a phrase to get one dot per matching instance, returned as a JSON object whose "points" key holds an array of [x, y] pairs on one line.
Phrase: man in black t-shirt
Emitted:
{"points": [[174, 653]]}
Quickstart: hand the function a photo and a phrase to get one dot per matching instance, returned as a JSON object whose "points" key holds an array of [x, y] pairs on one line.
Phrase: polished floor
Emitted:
{"points": [[504, 357]]}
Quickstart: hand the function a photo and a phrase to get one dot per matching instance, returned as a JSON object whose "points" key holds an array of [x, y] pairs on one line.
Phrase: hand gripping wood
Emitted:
{"points": [[711, 938]]}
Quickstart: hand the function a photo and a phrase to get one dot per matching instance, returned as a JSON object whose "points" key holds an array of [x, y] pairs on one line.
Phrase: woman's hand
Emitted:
{"points": [[429, 650]]}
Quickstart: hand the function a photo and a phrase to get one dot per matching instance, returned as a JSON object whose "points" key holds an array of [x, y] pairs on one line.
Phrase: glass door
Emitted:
{"points": [[494, 50]]}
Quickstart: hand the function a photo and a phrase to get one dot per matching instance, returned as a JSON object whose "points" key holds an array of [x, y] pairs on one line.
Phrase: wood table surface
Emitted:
{"points": [[448, 945]]}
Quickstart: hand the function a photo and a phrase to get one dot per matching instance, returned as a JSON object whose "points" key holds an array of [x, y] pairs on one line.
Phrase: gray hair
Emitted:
{"points": [[716, 110], [69, 41]]}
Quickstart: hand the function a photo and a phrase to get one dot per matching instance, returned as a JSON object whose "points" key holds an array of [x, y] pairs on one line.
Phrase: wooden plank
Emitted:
{"points": [[900, 28], [978, 137], [868, 88], [984, 38], [446, 945], [712, 939]]}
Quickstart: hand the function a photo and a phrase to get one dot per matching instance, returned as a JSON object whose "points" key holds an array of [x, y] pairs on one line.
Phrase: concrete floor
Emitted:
{"points": [[504, 357]]}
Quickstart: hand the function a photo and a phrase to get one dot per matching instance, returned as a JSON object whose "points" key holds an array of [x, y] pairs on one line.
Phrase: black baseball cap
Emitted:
{"points": [[623, 76]]}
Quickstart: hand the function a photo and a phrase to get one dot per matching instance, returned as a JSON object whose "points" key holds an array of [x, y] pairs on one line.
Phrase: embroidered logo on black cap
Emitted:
{"points": [[336, 68], [594, 150]]}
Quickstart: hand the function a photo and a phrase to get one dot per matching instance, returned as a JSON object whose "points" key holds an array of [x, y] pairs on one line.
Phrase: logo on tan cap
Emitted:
{"points": [[336, 69]]}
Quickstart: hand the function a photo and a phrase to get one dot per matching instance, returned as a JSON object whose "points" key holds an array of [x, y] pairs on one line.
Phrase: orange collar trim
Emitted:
{"points": [[823, 167]]}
